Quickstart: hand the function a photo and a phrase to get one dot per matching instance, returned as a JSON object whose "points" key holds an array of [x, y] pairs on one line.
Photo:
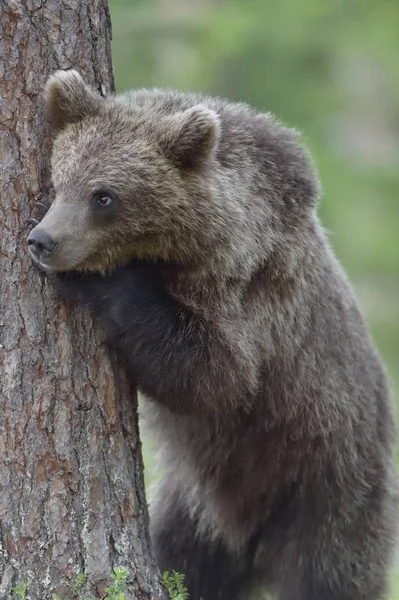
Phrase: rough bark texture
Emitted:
{"points": [[71, 486]]}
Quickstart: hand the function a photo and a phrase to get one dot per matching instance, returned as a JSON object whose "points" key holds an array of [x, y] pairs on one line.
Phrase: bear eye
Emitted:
{"points": [[103, 199], [104, 204]]}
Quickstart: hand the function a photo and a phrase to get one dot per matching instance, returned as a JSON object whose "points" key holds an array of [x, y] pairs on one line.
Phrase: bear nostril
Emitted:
{"points": [[40, 241]]}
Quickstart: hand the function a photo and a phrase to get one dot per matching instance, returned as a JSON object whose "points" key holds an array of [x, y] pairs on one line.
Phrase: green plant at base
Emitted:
{"points": [[116, 590], [78, 583], [174, 583], [20, 590]]}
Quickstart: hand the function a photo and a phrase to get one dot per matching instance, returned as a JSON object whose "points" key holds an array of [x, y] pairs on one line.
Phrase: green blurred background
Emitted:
{"points": [[327, 67]]}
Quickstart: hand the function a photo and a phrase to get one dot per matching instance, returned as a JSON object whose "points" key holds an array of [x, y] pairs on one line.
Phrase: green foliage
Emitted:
{"points": [[116, 590], [77, 587], [19, 592], [174, 583], [78, 583]]}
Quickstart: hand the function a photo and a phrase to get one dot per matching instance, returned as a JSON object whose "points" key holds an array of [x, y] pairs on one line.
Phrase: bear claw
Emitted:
{"points": [[42, 205]]}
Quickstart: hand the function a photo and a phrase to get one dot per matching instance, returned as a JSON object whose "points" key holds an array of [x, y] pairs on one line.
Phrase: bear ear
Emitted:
{"points": [[68, 99], [191, 137]]}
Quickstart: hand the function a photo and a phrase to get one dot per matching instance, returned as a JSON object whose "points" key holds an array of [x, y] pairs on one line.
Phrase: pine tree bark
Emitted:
{"points": [[71, 486]]}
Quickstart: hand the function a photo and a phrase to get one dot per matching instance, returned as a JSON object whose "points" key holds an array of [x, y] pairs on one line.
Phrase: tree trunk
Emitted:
{"points": [[71, 486]]}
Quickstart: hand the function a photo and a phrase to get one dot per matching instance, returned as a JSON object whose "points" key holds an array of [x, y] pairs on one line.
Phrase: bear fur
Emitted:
{"points": [[210, 271]]}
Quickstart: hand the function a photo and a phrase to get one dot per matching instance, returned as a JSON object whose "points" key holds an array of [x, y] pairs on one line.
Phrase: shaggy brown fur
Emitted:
{"points": [[269, 401]]}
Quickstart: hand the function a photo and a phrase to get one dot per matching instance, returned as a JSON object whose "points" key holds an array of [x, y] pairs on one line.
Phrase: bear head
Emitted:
{"points": [[160, 175]]}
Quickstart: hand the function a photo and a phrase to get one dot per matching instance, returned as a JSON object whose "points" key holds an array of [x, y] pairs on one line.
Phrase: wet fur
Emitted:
{"points": [[268, 399]]}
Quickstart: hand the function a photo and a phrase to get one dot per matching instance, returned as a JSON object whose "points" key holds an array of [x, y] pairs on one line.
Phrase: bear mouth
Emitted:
{"points": [[39, 261], [58, 259]]}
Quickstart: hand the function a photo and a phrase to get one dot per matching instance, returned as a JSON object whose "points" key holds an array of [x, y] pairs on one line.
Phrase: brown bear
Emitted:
{"points": [[188, 225]]}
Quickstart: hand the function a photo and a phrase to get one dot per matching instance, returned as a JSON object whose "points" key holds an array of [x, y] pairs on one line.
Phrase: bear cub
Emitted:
{"points": [[188, 225]]}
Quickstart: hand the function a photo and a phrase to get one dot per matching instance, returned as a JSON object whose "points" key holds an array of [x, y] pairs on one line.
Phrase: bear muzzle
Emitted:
{"points": [[41, 245], [40, 242]]}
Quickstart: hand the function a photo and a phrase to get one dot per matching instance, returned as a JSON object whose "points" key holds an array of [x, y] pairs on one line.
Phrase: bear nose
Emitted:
{"points": [[40, 241]]}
